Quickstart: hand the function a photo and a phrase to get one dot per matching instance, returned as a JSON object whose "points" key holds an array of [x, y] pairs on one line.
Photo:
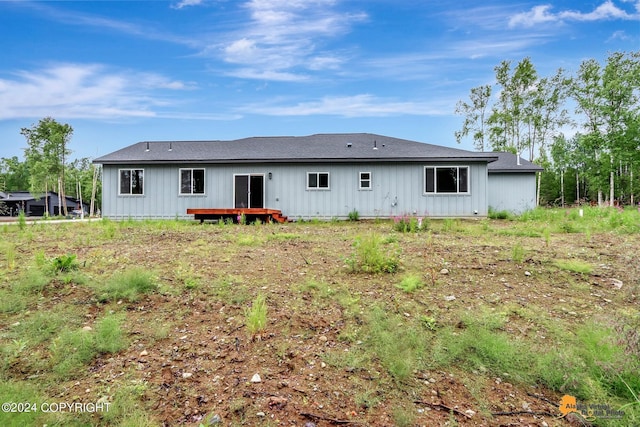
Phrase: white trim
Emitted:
{"points": [[130, 193], [318, 188], [435, 180], [204, 184], [361, 180]]}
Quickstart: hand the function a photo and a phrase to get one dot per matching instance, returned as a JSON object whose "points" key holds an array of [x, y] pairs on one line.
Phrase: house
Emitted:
{"points": [[317, 176], [512, 183], [23, 201]]}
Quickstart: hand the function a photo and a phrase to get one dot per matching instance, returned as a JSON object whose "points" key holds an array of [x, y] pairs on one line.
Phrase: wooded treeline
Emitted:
{"points": [[584, 129], [46, 166]]}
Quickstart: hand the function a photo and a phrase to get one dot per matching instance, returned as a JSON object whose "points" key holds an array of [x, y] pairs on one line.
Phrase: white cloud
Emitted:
{"points": [[83, 91], [185, 3], [363, 105], [543, 14], [283, 37]]}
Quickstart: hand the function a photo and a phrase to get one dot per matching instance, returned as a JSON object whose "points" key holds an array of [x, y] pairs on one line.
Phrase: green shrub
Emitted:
{"points": [[354, 215], [369, 257]]}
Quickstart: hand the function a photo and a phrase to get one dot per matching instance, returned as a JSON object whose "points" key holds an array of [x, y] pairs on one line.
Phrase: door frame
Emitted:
{"points": [[249, 190]]}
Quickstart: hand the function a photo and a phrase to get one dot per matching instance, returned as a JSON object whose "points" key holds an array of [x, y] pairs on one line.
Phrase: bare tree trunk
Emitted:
{"points": [[577, 188], [562, 187], [538, 189], [631, 185], [94, 186], [611, 184], [46, 199]]}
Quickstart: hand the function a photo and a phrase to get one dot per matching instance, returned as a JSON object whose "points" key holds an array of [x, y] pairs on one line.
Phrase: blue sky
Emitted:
{"points": [[120, 72]]}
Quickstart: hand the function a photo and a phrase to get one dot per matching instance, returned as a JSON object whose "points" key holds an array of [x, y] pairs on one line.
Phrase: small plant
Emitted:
{"points": [[503, 214], [370, 258], [410, 224], [64, 263], [429, 322], [22, 223], [410, 283], [256, 316], [354, 215], [517, 253]]}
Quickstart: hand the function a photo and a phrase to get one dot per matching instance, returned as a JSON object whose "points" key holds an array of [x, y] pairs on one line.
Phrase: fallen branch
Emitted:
{"points": [[443, 407], [329, 419], [544, 399], [546, 414]]}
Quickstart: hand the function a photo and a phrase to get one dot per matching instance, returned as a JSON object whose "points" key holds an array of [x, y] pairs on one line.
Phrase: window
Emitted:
{"points": [[365, 181], [132, 181], [446, 179], [191, 181], [317, 180]]}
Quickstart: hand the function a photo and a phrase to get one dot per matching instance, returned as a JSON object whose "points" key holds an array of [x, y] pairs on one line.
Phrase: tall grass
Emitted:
{"points": [[371, 256], [128, 285]]}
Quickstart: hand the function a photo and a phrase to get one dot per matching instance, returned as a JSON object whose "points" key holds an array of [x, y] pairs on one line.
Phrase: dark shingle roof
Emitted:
{"points": [[508, 163], [347, 147]]}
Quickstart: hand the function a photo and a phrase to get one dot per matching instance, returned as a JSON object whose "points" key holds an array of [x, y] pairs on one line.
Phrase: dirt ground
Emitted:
{"points": [[191, 348]]}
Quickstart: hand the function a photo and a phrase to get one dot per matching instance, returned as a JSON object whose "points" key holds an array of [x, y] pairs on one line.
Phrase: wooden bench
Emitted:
{"points": [[250, 214]]}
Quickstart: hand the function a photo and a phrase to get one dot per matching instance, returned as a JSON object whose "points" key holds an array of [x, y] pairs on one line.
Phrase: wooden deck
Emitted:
{"points": [[251, 214]]}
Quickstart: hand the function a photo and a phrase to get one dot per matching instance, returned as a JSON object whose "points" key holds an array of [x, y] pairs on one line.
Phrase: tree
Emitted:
{"points": [[561, 160], [608, 97], [46, 156], [475, 115], [14, 174], [509, 115]]}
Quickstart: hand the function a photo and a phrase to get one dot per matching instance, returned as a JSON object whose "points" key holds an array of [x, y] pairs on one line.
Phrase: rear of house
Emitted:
{"points": [[319, 176]]}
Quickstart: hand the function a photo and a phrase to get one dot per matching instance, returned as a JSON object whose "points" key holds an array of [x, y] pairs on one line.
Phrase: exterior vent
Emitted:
{"points": [[349, 145]]}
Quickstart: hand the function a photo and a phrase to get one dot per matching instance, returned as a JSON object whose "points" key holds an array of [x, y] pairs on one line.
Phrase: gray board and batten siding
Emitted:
{"points": [[375, 175], [512, 184]]}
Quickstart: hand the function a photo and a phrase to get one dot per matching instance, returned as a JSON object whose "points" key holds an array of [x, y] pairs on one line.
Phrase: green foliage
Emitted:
{"points": [[370, 257], [410, 224], [256, 316], [31, 282], [354, 215], [22, 222], [504, 214], [71, 350], [64, 263], [399, 347], [109, 337], [517, 253], [410, 283], [575, 266], [128, 285]]}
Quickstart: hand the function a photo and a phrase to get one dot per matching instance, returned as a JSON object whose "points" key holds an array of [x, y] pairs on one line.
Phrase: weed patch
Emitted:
{"points": [[128, 285], [371, 257], [256, 316]]}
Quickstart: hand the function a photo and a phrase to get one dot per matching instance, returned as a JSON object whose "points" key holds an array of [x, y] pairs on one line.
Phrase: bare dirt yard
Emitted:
{"points": [[468, 323]]}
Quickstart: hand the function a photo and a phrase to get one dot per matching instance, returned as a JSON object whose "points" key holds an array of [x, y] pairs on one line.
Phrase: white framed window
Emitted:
{"points": [[446, 179], [131, 182], [364, 181], [317, 180], [191, 181]]}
